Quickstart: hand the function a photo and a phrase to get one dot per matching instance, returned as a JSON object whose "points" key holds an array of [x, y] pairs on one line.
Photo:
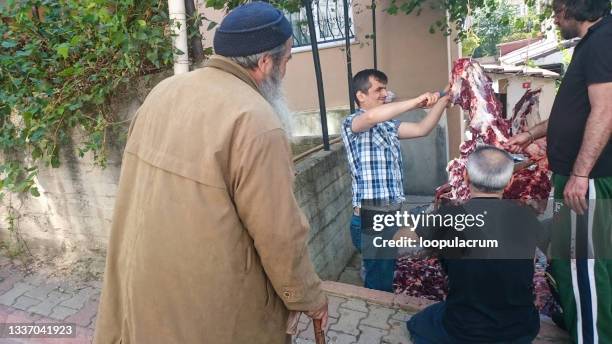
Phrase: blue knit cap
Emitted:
{"points": [[251, 29]]}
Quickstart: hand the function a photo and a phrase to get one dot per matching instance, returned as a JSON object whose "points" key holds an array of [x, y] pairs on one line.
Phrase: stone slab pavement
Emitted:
{"points": [[36, 298], [357, 315], [360, 315]]}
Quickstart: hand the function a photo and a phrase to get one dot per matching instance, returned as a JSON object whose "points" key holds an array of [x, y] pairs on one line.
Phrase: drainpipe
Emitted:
{"points": [[178, 22]]}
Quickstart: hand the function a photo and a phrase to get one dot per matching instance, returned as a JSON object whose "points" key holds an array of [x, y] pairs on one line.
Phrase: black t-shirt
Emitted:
{"points": [[591, 64], [491, 300]]}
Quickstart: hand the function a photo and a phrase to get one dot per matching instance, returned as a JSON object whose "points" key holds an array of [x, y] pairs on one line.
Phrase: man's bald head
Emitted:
{"points": [[489, 169]]}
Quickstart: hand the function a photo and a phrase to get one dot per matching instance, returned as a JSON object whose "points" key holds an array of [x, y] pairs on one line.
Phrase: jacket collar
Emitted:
{"points": [[229, 66]]}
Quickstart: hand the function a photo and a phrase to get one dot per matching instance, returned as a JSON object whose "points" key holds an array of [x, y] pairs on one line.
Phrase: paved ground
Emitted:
{"points": [[352, 272], [353, 320], [35, 298], [42, 299], [357, 315]]}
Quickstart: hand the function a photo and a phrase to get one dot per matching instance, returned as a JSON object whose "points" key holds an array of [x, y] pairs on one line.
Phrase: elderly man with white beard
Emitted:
{"points": [[208, 244]]}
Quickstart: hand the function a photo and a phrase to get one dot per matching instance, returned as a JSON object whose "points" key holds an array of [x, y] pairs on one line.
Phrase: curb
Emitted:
{"points": [[403, 302]]}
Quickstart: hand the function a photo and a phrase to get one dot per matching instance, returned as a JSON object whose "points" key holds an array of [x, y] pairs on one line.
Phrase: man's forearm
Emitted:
{"points": [[596, 137], [389, 111], [539, 130], [382, 113], [433, 117]]}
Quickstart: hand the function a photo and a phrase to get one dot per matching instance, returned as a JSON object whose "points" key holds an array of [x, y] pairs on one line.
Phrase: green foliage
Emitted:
{"points": [[516, 36], [59, 63], [14, 246], [224, 4], [502, 25], [289, 5], [493, 26], [460, 10], [470, 43]]}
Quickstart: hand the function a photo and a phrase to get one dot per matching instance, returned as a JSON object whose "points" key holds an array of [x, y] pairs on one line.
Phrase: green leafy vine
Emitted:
{"points": [[60, 62]]}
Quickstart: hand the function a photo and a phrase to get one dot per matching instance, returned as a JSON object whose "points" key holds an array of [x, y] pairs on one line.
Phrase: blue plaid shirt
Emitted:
{"points": [[375, 161]]}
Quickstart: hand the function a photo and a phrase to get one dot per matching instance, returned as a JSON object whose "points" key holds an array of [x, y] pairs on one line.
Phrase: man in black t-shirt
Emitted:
{"points": [[580, 156], [490, 287]]}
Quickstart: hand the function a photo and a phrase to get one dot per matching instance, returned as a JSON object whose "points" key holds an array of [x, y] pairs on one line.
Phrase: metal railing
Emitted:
{"points": [[328, 19]]}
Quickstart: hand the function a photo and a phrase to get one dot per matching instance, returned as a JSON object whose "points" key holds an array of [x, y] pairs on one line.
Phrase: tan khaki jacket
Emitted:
{"points": [[208, 244]]}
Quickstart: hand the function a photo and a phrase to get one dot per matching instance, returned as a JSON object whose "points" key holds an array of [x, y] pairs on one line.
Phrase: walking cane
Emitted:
{"points": [[318, 332]]}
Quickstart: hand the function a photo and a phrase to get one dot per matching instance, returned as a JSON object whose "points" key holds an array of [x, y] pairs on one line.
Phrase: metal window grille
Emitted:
{"points": [[329, 23]]}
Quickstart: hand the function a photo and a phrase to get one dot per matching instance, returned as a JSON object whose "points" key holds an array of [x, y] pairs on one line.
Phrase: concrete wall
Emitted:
{"points": [[67, 227], [425, 158], [308, 123]]}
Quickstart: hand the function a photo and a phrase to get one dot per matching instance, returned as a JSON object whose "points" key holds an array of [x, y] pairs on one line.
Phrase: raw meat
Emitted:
{"points": [[424, 277], [421, 277], [472, 89]]}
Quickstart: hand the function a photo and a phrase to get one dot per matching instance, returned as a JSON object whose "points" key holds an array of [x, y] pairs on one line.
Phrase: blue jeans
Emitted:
{"points": [[379, 272], [426, 327]]}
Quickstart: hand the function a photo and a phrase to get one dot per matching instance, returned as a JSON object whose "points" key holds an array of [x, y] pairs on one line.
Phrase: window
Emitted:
{"points": [[328, 18]]}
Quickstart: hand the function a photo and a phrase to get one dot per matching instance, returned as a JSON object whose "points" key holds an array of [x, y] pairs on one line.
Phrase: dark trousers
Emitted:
{"points": [[426, 327]]}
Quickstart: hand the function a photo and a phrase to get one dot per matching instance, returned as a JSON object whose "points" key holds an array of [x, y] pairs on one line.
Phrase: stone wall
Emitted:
{"points": [[323, 189]]}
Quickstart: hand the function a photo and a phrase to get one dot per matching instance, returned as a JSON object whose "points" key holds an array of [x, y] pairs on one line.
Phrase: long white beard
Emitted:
{"points": [[272, 90]]}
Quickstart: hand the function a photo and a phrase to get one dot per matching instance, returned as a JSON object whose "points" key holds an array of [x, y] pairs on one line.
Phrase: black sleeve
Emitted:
{"points": [[598, 66]]}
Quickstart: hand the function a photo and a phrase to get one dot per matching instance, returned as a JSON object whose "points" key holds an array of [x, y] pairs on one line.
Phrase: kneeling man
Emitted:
{"points": [[490, 297]]}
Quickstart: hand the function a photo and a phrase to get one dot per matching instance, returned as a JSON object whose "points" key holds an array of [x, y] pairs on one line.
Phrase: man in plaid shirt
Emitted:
{"points": [[371, 136]]}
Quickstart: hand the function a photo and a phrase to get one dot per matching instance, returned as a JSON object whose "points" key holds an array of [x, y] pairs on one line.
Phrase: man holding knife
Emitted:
{"points": [[371, 136]]}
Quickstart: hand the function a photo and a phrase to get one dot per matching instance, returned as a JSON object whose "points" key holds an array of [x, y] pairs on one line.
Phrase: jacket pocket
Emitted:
{"points": [[249, 259], [270, 294]]}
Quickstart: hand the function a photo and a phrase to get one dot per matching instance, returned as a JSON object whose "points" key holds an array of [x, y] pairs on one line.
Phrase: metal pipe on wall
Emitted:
{"points": [[178, 23]]}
